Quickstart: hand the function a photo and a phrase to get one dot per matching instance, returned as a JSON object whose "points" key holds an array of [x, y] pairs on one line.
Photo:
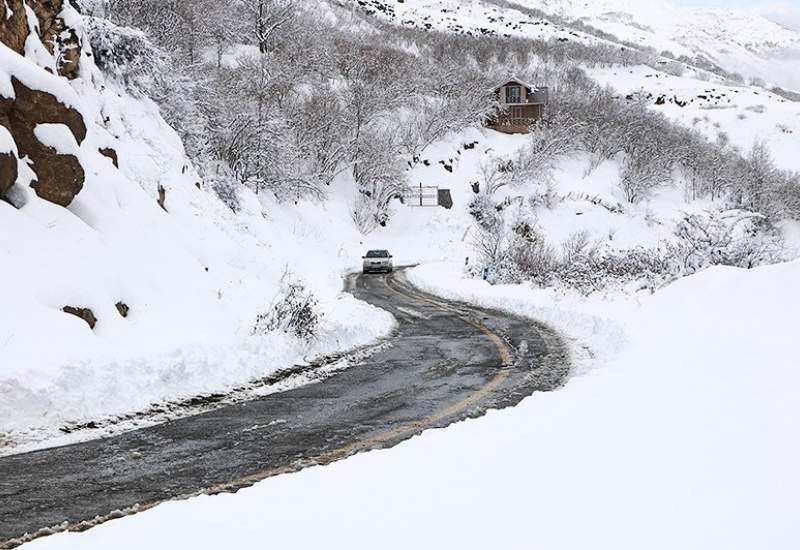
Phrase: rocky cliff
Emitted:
{"points": [[30, 102]]}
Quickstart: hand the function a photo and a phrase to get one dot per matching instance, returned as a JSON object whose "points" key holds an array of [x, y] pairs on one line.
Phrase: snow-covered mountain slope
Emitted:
{"points": [[735, 41], [742, 113], [470, 17]]}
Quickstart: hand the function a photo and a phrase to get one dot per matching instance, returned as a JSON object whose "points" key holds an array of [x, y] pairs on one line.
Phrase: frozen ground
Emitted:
{"points": [[685, 439]]}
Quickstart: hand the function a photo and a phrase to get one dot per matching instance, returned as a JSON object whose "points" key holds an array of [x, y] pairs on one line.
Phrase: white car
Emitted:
{"points": [[378, 261]]}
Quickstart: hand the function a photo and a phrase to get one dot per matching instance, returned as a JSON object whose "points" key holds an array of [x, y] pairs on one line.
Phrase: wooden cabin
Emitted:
{"points": [[521, 105]]}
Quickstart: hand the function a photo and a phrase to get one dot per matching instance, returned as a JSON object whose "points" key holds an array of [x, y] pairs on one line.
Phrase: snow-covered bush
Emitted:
{"points": [[379, 175], [484, 211], [734, 238], [523, 254], [125, 54], [294, 311], [527, 255], [227, 190], [519, 252], [594, 267]]}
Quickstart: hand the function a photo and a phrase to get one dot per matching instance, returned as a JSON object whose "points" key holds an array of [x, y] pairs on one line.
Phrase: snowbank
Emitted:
{"points": [[686, 440]]}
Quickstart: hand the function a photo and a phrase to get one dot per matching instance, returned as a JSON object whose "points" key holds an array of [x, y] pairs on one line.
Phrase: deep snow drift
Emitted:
{"points": [[685, 440]]}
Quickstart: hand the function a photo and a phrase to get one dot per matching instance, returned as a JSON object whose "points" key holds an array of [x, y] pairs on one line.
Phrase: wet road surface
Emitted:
{"points": [[444, 362]]}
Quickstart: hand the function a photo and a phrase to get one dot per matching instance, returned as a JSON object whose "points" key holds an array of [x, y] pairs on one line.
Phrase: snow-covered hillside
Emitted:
{"points": [[473, 17], [743, 113], [736, 41]]}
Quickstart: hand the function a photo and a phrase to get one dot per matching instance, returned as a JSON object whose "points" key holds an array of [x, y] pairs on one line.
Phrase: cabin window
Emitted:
{"points": [[513, 94]]}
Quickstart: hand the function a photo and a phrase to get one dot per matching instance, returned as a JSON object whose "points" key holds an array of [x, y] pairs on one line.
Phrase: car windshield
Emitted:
{"points": [[378, 254]]}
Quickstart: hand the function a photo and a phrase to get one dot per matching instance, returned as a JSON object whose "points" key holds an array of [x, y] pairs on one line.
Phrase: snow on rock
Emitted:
{"points": [[58, 137], [686, 440]]}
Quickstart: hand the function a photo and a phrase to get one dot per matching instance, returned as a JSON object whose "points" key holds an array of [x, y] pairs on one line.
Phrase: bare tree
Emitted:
{"points": [[267, 18]]}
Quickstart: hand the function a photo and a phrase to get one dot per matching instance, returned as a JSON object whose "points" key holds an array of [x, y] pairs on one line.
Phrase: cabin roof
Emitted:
{"points": [[515, 80]]}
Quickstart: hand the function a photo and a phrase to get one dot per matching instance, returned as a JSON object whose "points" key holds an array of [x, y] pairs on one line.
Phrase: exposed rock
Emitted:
{"points": [[123, 309], [8, 172], [82, 312], [59, 177], [110, 153], [37, 107], [13, 29], [162, 197], [60, 40]]}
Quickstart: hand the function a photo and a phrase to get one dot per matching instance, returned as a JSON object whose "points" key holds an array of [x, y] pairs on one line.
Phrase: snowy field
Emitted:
{"points": [[685, 439]]}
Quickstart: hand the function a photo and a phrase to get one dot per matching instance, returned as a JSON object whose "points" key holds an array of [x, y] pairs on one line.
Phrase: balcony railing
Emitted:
{"points": [[538, 97]]}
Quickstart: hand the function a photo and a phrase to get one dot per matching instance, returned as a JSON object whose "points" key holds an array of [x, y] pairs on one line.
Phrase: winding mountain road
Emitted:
{"points": [[445, 362]]}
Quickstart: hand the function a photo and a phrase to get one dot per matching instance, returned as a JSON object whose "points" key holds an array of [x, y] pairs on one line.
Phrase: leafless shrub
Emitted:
{"points": [[294, 311], [735, 238]]}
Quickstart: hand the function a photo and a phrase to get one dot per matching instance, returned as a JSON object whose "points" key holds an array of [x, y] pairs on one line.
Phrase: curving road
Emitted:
{"points": [[445, 362]]}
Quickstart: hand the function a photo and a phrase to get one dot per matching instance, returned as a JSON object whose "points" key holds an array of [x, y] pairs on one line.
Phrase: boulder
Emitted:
{"points": [[83, 313], [59, 177], [123, 309], [162, 198], [8, 172], [110, 153], [13, 25], [60, 40]]}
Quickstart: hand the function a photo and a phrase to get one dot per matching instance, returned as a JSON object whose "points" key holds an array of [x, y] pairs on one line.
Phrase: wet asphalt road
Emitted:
{"points": [[445, 362]]}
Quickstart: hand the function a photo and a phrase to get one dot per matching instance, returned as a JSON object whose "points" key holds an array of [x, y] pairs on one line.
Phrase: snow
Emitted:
{"points": [[195, 276], [685, 439], [476, 17], [58, 137], [735, 40], [7, 144], [114, 243]]}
